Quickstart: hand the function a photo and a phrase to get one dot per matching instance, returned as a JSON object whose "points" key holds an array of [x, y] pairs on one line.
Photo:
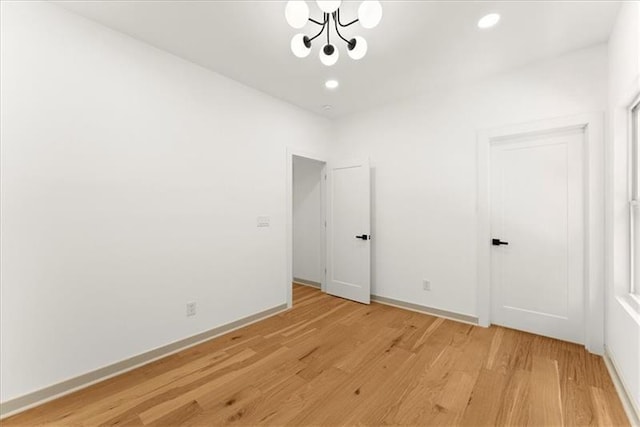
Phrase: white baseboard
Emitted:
{"points": [[458, 317], [37, 398], [307, 282], [632, 411]]}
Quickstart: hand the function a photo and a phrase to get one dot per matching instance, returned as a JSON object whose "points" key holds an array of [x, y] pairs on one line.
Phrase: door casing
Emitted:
{"points": [[592, 126]]}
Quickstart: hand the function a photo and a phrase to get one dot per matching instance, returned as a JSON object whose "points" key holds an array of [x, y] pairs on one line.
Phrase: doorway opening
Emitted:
{"points": [[308, 267], [343, 265]]}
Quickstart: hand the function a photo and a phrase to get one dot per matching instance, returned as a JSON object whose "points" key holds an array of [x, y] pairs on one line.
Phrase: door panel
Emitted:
{"points": [[537, 207], [348, 266]]}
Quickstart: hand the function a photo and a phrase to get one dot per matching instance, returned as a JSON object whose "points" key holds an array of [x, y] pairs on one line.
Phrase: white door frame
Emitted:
{"points": [[592, 124], [289, 218]]}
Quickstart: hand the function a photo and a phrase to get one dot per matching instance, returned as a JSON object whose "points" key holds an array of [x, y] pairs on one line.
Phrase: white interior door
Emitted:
{"points": [[537, 207], [348, 231]]}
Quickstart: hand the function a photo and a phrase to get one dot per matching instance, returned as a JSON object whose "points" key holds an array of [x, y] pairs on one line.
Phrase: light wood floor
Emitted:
{"points": [[331, 361]]}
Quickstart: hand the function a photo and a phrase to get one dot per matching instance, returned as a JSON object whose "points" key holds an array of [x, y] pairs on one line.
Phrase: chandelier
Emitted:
{"points": [[297, 15]]}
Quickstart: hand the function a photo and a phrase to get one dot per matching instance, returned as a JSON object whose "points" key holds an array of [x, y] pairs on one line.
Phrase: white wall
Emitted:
{"points": [[307, 219], [423, 155], [131, 183], [622, 331]]}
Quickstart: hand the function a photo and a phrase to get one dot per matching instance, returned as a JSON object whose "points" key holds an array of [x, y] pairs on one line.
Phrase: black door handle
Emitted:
{"points": [[498, 242], [363, 237]]}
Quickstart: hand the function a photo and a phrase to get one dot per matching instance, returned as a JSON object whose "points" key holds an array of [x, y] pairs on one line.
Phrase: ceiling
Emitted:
{"points": [[418, 46]]}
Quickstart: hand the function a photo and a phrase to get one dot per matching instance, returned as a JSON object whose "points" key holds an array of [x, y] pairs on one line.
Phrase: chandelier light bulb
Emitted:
{"points": [[370, 13], [359, 50], [299, 47], [329, 55], [329, 6], [297, 13]]}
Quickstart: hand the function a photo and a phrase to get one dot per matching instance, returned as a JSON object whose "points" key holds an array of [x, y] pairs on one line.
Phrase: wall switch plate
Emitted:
{"points": [[426, 285], [191, 309], [264, 221]]}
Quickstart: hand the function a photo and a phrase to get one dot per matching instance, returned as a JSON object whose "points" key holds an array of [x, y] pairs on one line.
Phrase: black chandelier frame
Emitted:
{"points": [[329, 48]]}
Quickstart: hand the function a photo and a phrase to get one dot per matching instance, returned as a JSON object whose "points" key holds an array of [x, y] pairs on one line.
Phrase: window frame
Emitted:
{"points": [[634, 190]]}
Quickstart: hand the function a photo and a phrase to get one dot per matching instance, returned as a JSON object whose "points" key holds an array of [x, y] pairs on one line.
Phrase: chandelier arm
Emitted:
{"points": [[350, 23], [337, 29], [316, 22], [347, 24], [321, 30], [328, 28]]}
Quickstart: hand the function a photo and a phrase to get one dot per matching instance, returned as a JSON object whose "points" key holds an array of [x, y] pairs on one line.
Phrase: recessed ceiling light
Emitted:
{"points": [[331, 84], [489, 20]]}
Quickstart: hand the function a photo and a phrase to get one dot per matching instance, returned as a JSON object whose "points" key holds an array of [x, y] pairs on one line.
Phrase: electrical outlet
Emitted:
{"points": [[426, 285], [191, 309]]}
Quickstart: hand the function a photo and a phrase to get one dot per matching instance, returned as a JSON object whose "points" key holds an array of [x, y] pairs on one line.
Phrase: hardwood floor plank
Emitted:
{"points": [[420, 404], [367, 350], [427, 333], [271, 400], [110, 411], [453, 400], [607, 408], [179, 416], [307, 398], [386, 403], [329, 361], [546, 400], [577, 406], [485, 400], [336, 406], [168, 406], [496, 341], [515, 406]]}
